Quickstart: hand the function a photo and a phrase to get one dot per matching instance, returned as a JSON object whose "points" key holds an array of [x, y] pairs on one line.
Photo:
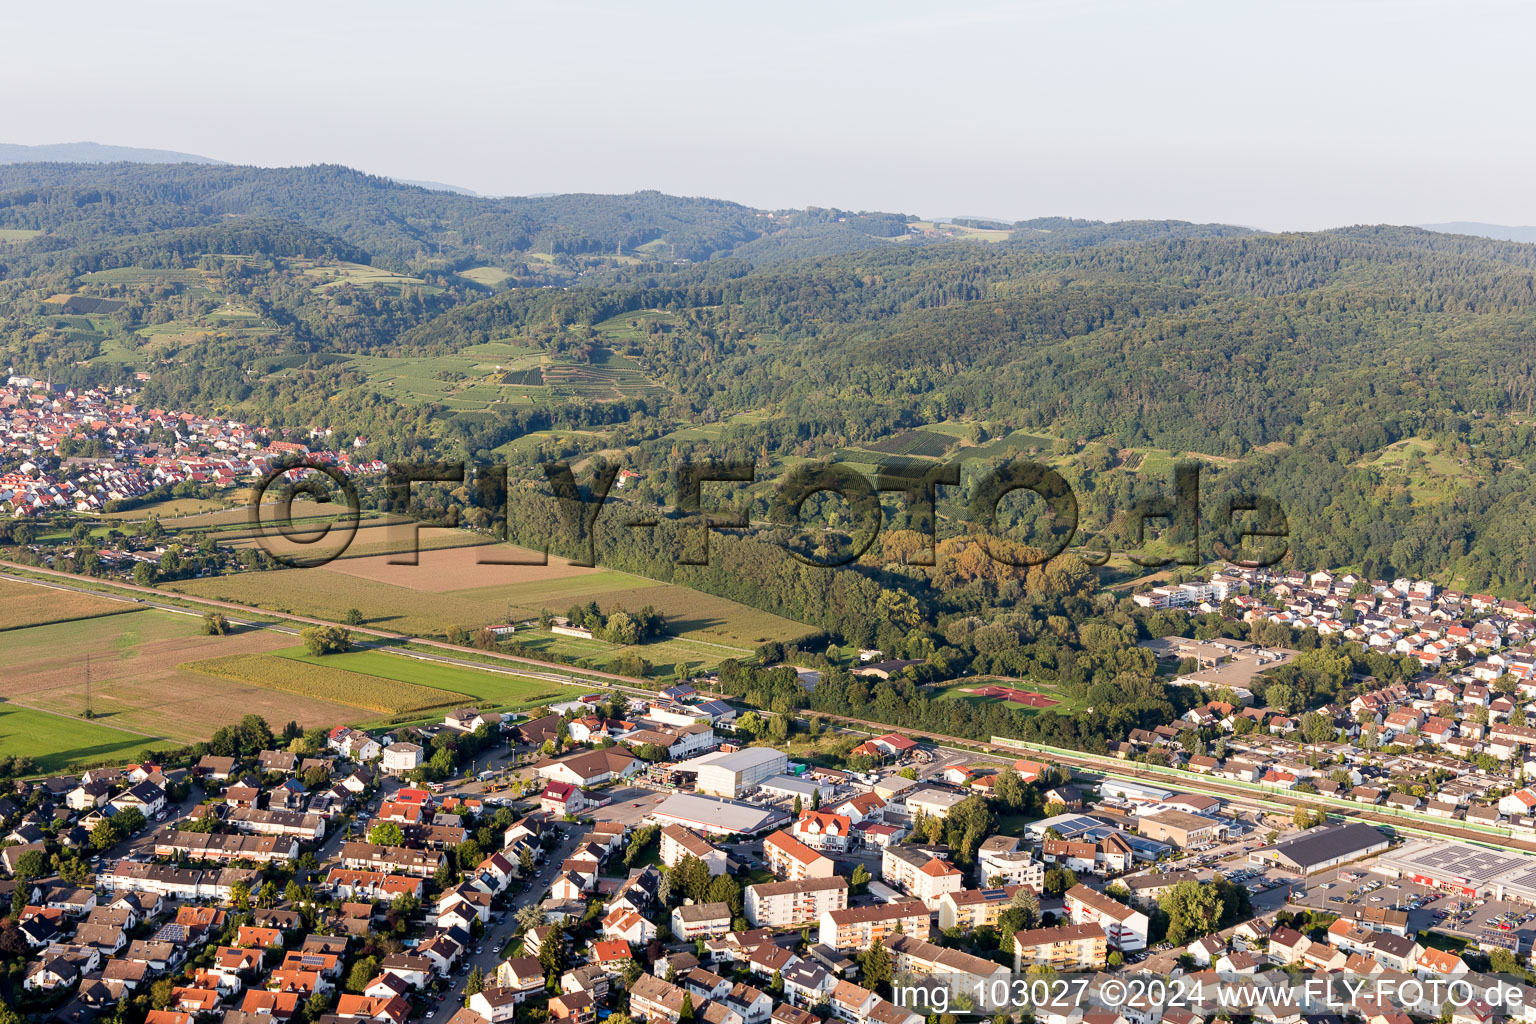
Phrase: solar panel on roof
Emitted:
{"points": [[992, 894]]}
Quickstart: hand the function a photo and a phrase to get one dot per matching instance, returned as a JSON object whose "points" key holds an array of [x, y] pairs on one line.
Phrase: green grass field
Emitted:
{"points": [[1427, 472], [56, 742], [488, 276], [492, 689], [335, 274], [18, 234]]}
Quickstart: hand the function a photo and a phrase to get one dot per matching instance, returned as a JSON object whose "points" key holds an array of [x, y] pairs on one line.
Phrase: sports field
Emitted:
{"points": [[1018, 694]]}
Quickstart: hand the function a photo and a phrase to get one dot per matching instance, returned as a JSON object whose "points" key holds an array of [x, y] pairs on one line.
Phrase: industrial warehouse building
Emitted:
{"points": [[737, 772], [710, 816], [1321, 848], [1464, 869]]}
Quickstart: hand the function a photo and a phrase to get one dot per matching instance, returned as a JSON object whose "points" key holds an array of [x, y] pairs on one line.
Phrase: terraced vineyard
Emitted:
{"points": [[923, 444], [608, 376]]}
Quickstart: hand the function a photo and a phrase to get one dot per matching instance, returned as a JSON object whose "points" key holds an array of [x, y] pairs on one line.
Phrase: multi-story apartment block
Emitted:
{"points": [[857, 927], [794, 903], [1071, 947]]}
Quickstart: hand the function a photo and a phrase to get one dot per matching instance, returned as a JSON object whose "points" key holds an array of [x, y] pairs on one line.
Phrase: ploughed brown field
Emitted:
{"points": [[441, 569]]}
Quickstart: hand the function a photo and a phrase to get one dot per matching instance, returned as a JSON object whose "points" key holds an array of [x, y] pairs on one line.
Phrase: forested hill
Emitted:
{"points": [[94, 153], [1383, 376], [403, 226]]}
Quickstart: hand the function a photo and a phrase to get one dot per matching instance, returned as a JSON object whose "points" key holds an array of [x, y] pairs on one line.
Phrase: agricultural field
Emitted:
{"points": [[18, 234], [609, 376], [136, 686], [324, 681], [488, 276], [968, 233], [170, 508], [25, 604], [1017, 441], [373, 539], [450, 560], [502, 690], [662, 653], [922, 444], [465, 377], [447, 588], [183, 277], [334, 274], [58, 743]]}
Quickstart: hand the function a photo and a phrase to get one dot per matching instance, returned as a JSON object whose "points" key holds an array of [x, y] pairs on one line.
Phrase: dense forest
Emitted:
{"points": [[1376, 382]]}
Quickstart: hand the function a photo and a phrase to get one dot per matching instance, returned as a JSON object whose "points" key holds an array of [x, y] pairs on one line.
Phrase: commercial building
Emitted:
{"points": [[590, 767], [1181, 828], [793, 904], [1125, 791], [932, 801], [735, 773], [1318, 849], [1461, 868], [1075, 947], [857, 927], [713, 817]]}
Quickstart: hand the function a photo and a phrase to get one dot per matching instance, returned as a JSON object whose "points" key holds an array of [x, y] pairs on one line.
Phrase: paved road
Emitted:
{"points": [[486, 954]]}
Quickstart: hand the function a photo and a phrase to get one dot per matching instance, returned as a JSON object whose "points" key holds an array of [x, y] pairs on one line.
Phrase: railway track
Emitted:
{"points": [[1115, 768]]}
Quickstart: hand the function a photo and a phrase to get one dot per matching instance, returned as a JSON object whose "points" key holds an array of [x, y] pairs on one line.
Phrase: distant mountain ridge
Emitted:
{"points": [[95, 153], [1502, 232]]}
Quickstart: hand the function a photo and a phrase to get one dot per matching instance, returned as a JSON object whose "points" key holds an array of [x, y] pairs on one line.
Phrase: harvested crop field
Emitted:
{"points": [[372, 537], [441, 569], [323, 682], [26, 604], [329, 592]]}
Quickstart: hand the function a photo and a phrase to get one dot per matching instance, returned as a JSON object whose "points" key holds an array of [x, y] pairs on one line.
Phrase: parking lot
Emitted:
{"points": [[1354, 886]]}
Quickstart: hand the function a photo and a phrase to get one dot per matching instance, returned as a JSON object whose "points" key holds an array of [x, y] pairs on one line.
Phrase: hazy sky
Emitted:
{"points": [[1279, 115]]}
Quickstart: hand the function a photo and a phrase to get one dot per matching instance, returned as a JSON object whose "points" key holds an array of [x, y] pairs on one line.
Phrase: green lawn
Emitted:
{"points": [[56, 742], [500, 689]]}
